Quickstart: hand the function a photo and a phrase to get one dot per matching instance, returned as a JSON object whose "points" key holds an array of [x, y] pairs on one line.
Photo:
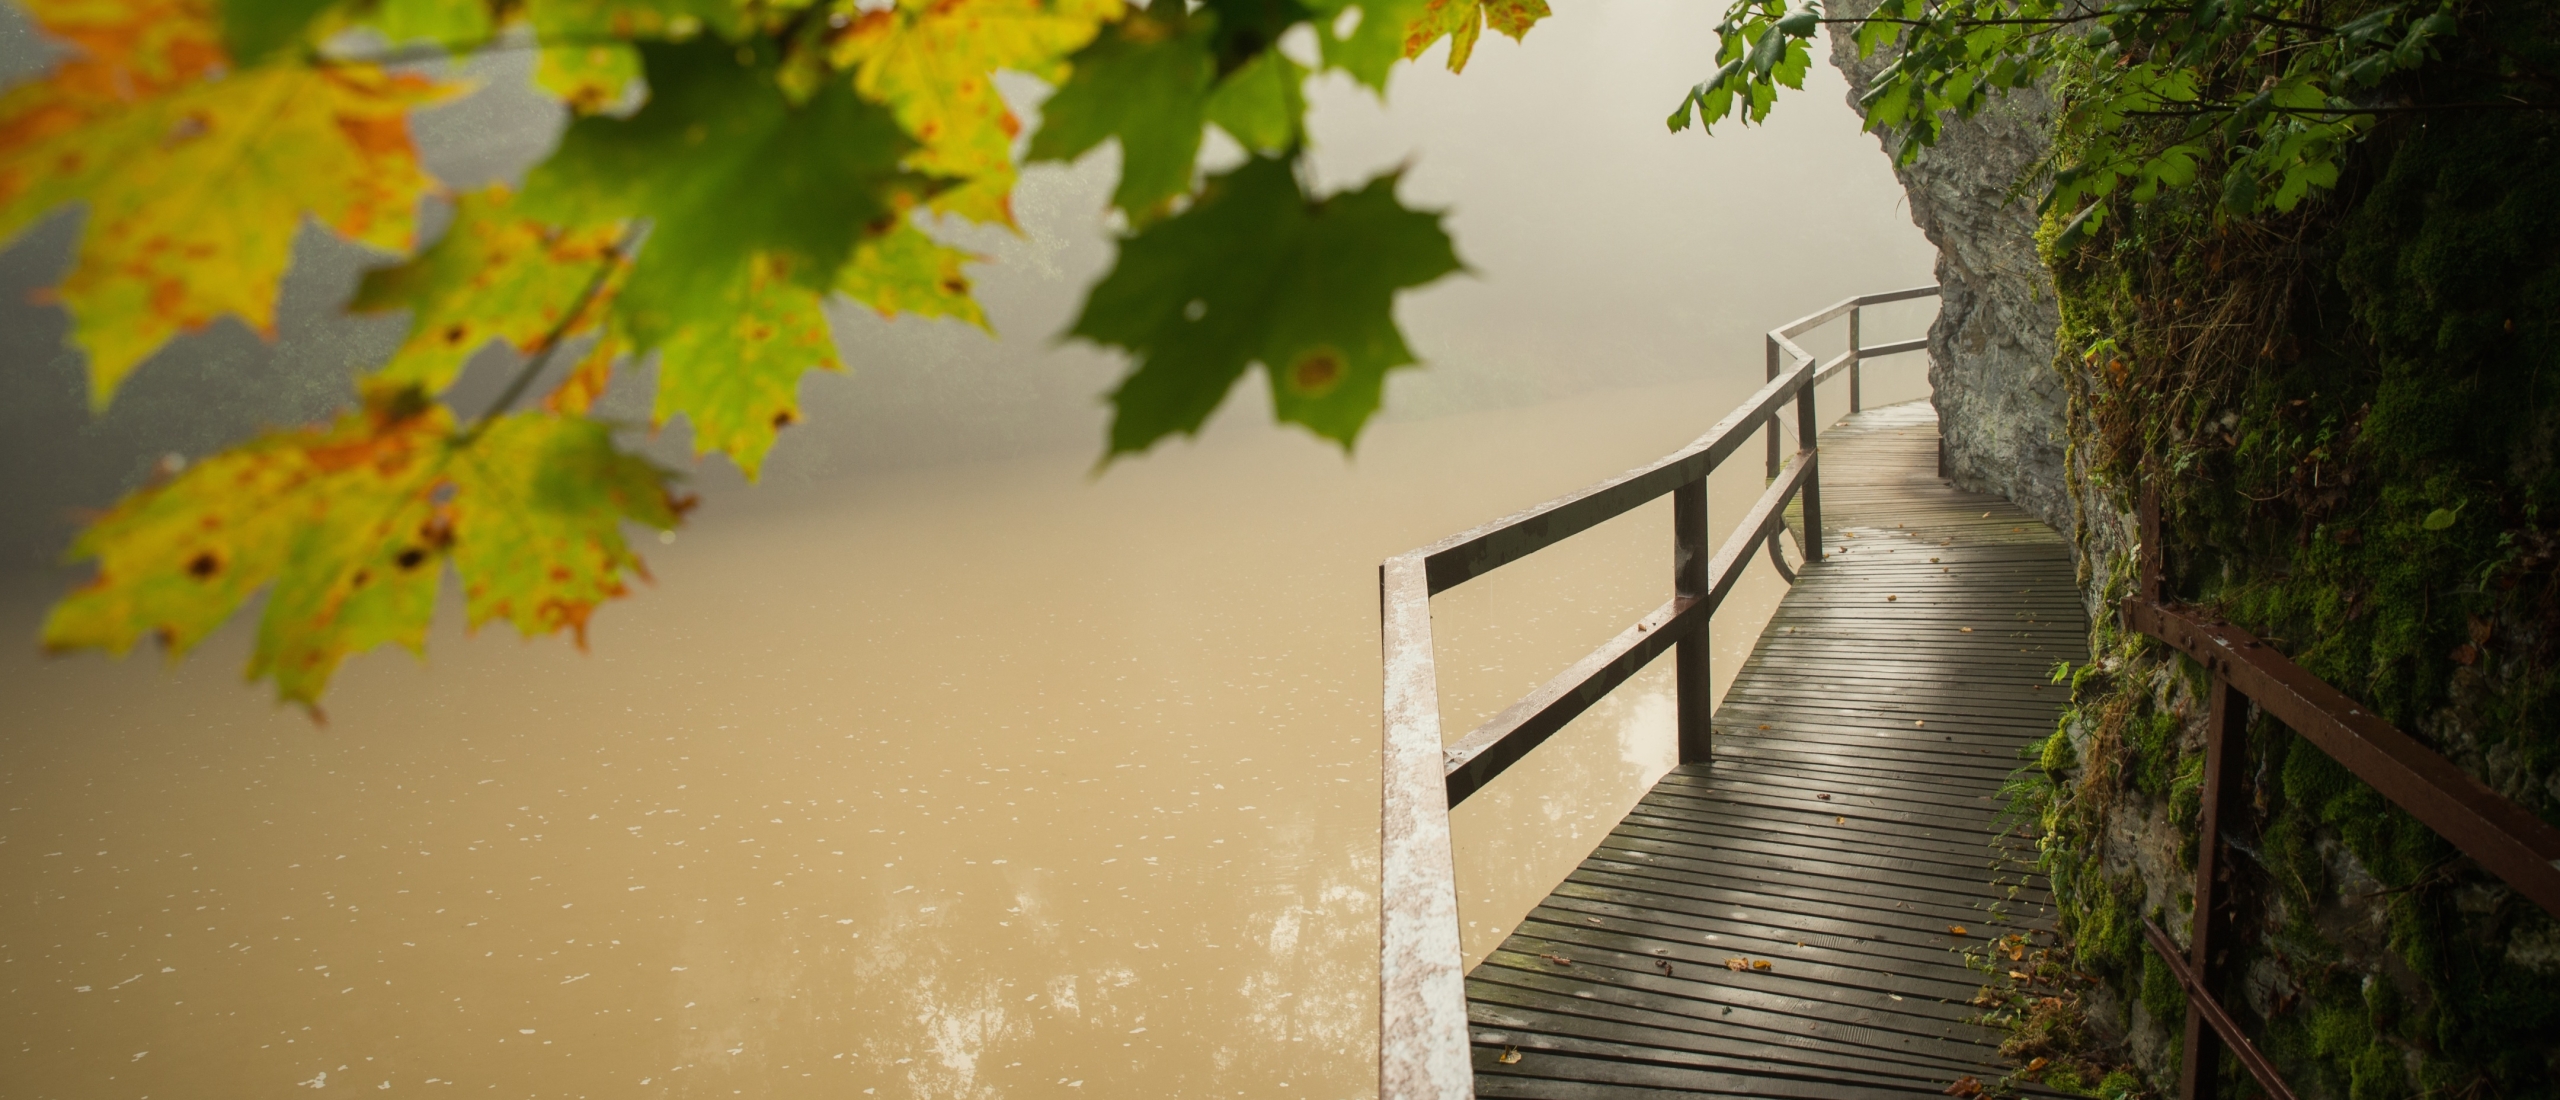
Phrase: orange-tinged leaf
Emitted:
{"points": [[733, 367], [932, 63], [587, 380], [492, 276], [1955, 930], [125, 53], [1463, 21], [195, 195], [589, 77], [538, 506], [905, 271], [330, 515], [363, 565]]}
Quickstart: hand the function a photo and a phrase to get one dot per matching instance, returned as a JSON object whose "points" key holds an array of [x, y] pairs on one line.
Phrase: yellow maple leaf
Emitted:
{"points": [[493, 276], [196, 176], [177, 558], [905, 271], [932, 62], [1463, 21]]}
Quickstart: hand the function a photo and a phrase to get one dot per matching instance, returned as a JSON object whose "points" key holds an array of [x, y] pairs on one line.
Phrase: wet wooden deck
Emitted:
{"points": [[1849, 820]]}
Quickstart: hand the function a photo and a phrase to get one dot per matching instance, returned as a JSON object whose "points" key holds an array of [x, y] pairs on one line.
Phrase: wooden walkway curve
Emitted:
{"points": [[1848, 820]]}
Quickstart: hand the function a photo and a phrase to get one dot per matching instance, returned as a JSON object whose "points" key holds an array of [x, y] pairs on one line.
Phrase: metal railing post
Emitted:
{"points": [[1853, 359], [2224, 787], [1690, 552]]}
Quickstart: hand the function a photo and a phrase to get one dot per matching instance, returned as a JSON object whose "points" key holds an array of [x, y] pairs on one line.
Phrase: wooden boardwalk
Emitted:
{"points": [[1848, 821]]}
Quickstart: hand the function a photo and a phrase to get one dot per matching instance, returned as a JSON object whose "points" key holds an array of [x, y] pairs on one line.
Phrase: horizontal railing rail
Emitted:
{"points": [[2504, 838], [1422, 1005]]}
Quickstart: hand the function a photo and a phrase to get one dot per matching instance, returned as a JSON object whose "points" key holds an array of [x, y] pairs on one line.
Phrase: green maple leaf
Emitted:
{"points": [[734, 370], [726, 168], [571, 21], [453, 24], [538, 506], [1256, 272], [1377, 40], [1146, 81], [1262, 105]]}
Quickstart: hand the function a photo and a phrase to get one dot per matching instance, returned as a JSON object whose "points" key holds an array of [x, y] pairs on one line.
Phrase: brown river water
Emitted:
{"points": [[919, 774]]}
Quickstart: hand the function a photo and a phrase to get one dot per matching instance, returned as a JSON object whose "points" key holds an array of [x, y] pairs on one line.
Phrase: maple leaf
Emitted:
{"points": [[734, 370], [256, 29], [1463, 21], [452, 24], [335, 517], [1146, 81], [494, 275], [1262, 104], [195, 191], [570, 22], [1376, 38], [538, 505], [1256, 272], [905, 271], [585, 383], [727, 168], [931, 62], [589, 77]]}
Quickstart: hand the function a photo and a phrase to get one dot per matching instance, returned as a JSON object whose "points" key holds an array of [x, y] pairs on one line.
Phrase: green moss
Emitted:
{"points": [[2352, 418]]}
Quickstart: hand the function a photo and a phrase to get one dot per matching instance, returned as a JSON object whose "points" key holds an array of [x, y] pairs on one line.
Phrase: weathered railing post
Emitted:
{"points": [[1775, 357], [1808, 431], [1689, 581], [1854, 403], [2225, 738]]}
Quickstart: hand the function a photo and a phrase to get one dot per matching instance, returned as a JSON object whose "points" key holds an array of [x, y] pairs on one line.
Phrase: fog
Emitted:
{"points": [[934, 765]]}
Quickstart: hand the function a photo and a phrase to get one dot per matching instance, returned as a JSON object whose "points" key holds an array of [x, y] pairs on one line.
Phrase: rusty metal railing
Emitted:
{"points": [[2504, 838], [1422, 1001]]}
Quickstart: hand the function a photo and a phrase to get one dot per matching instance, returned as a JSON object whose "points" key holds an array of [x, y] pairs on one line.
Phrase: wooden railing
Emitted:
{"points": [[1422, 1001], [2503, 838]]}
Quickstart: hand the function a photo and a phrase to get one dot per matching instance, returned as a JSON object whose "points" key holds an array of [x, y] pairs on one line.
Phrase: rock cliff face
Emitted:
{"points": [[2000, 403]]}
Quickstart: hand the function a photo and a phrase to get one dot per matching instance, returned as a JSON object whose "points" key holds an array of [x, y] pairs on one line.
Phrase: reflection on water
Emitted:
{"points": [[926, 778]]}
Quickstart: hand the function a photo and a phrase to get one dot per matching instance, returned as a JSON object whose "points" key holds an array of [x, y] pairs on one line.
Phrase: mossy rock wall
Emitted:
{"points": [[2351, 418]]}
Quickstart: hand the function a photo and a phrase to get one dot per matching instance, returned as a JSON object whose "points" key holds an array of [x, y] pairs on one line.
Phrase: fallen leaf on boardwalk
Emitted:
{"points": [[1764, 725], [1825, 796], [1737, 965], [1986, 515], [1510, 1056], [2020, 975], [1890, 599], [1919, 723], [1965, 1086], [2038, 1064], [1839, 821], [1665, 964], [1965, 629], [1955, 930], [1933, 561], [1559, 960], [1762, 964]]}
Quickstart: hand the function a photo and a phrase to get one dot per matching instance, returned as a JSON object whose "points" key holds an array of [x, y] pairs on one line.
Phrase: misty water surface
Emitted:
{"points": [[935, 766]]}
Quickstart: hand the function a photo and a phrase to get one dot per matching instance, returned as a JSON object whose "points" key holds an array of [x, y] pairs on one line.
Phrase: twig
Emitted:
{"points": [[551, 340]]}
